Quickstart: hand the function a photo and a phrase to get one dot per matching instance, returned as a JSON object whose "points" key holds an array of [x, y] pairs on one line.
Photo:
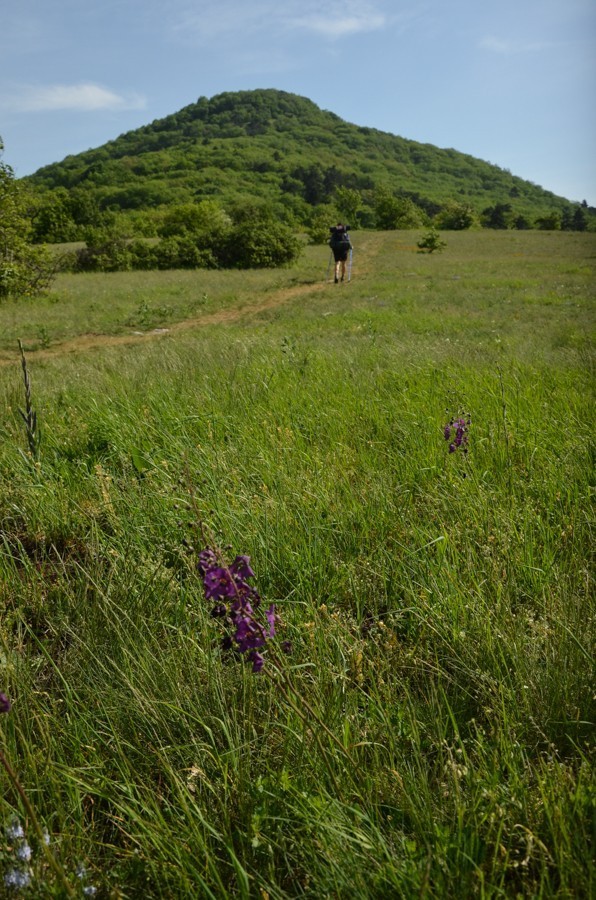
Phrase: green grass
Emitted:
{"points": [[440, 607]]}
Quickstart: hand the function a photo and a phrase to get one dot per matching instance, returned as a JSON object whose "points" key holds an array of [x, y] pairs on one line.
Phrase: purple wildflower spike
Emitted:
{"points": [[235, 602], [249, 635], [207, 560], [241, 568], [271, 617], [4, 703], [456, 432], [218, 583]]}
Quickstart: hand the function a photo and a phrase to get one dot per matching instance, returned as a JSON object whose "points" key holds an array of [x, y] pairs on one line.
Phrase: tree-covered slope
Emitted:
{"points": [[283, 149]]}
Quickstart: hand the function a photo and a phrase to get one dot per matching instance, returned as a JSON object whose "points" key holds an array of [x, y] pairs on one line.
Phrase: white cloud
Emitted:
{"points": [[85, 97], [339, 26], [508, 47], [228, 19]]}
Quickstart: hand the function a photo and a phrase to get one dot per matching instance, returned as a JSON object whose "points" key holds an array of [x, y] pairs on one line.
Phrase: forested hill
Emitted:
{"points": [[280, 148]]}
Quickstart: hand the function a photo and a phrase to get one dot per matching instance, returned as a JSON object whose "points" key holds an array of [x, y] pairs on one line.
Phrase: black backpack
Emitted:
{"points": [[339, 235]]}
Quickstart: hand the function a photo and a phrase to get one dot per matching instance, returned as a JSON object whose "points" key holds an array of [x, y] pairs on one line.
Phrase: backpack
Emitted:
{"points": [[339, 236]]}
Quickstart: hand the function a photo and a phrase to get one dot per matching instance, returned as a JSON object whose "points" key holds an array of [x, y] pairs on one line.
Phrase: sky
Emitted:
{"points": [[512, 82]]}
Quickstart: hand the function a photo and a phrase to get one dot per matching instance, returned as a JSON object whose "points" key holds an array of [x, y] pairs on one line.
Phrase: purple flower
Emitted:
{"points": [[249, 634], [219, 583], [207, 560], [241, 568], [271, 617], [235, 601], [456, 431], [4, 703], [257, 661]]}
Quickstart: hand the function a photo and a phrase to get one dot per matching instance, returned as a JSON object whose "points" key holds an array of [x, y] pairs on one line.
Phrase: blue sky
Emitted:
{"points": [[509, 81]]}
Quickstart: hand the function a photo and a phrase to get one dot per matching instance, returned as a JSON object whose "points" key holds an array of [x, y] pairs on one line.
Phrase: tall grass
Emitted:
{"points": [[439, 605]]}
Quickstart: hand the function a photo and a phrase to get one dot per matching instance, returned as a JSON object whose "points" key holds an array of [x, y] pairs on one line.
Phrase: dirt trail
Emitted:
{"points": [[85, 342]]}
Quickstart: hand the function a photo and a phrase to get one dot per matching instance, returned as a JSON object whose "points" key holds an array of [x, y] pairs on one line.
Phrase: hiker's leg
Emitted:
{"points": [[337, 267]]}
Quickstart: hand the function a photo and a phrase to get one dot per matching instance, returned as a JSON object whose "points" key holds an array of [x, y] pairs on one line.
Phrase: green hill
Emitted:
{"points": [[277, 147]]}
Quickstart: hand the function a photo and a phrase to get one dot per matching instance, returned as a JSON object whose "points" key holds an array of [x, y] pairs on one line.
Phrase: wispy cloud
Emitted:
{"points": [[339, 26], [329, 19], [84, 97], [508, 47]]}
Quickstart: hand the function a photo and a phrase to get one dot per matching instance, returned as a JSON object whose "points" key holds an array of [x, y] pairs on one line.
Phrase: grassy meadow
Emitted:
{"points": [[431, 732]]}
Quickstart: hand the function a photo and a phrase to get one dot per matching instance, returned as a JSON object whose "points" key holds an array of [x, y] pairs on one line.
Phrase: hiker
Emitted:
{"points": [[340, 247]]}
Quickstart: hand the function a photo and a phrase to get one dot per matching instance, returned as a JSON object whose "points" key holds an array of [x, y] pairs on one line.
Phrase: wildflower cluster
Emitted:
{"points": [[21, 870], [235, 602], [456, 432], [89, 890], [18, 875]]}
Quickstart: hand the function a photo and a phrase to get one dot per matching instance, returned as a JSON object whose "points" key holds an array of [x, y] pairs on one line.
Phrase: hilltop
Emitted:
{"points": [[282, 149]]}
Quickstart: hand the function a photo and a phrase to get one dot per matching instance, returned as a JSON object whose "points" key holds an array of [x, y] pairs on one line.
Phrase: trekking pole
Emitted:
{"points": [[350, 265], [328, 265]]}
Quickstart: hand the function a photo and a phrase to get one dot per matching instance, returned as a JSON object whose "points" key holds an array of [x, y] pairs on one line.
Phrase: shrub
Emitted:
{"points": [[206, 217], [549, 222], [143, 255], [183, 253], [24, 270], [105, 251], [456, 217], [260, 245], [396, 212], [319, 224], [431, 241]]}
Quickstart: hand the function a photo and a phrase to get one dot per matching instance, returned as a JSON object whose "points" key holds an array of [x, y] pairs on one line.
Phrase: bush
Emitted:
{"points": [[106, 251], [206, 217], [143, 255], [319, 224], [260, 245], [396, 212], [456, 217], [183, 253], [549, 222], [252, 243], [24, 269], [431, 241]]}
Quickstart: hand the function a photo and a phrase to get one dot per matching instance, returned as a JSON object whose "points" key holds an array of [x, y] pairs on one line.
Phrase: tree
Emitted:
{"points": [[193, 218], [456, 217], [574, 218], [348, 202], [549, 222], [522, 223], [319, 224], [393, 212], [24, 269], [498, 216], [52, 219]]}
